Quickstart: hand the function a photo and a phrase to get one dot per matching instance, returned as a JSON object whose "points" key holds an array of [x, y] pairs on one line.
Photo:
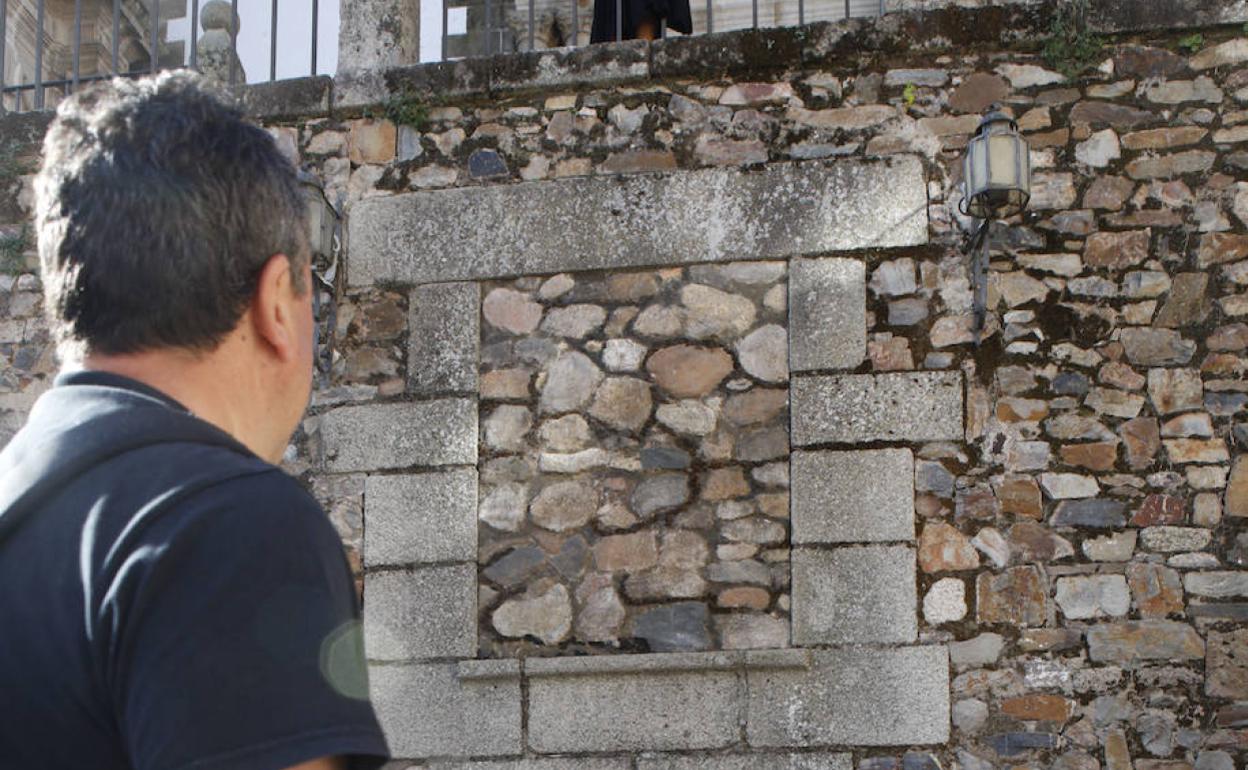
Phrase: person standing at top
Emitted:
{"points": [[640, 19], [171, 598]]}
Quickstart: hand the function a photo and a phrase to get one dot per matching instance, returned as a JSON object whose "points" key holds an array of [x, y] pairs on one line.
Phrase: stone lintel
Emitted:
{"points": [[853, 497], [859, 408], [400, 435], [710, 215], [855, 696], [421, 518]]}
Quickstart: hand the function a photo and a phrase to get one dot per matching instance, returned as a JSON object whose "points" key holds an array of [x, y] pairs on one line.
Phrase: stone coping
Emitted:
{"points": [[645, 663]]}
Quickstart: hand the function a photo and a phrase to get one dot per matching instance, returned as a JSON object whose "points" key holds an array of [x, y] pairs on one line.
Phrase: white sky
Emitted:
{"points": [[294, 37]]}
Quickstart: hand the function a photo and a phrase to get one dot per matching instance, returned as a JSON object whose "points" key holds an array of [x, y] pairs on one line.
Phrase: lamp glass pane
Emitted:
{"points": [[1004, 163]]}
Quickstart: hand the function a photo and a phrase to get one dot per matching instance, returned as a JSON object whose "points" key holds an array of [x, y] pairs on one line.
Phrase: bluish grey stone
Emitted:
{"points": [[443, 338], [516, 566], [1092, 513], [426, 710], [853, 696], [483, 164], [858, 408], [655, 494], [1214, 760], [421, 614], [932, 476], [919, 760], [847, 497], [538, 228], [827, 314], [571, 559], [1013, 744], [1071, 384], [854, 595], [664, 458], [907, 311], [1225, 404], [421, 518], [674, 627], [879, 763], [381, 436]]}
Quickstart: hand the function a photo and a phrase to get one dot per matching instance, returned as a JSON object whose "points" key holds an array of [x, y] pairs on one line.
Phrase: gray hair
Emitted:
{"points": [[157, 207]]}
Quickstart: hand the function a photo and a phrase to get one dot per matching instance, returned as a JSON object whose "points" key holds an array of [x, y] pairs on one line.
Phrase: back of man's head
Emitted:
{"points": [[157, 207]]}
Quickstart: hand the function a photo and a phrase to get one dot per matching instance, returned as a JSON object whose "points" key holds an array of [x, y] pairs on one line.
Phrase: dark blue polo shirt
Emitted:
{"points": [[167, 599]]}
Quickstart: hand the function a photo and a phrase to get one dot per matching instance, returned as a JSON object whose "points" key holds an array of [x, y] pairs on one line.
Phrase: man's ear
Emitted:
{"points": [[273, 308]]}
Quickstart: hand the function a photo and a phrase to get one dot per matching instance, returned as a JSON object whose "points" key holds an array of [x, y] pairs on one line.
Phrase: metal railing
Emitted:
{"points": [[129, 13], [487, 27]]}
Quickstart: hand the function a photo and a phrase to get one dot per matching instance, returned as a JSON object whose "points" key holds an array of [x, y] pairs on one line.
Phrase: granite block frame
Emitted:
{"points": [[444, 351]]}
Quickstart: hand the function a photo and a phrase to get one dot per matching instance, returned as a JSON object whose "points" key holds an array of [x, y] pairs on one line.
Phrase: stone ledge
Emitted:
{"points": [[290, 98], [593, 665], [775, 211], [483, 670], [753, 761]]}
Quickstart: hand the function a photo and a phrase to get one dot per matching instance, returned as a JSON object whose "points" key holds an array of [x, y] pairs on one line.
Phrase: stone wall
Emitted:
{"points": [[1026, 552]]}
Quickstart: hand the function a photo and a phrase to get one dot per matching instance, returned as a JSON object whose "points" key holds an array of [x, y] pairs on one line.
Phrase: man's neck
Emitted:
{"points": [[205, 383]]}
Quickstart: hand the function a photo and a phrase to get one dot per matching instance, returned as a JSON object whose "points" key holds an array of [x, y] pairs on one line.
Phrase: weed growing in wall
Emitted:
{"points": [[13, 251], [1072, 48]]}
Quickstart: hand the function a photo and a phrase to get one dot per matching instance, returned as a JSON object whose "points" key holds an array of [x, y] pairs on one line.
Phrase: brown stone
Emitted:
{"points": [[944, 549], [1057, 96], [686, 371], [1236, 503], [1188, 302], [890, 354], [1146, 63], [1159, 509], [1163, 138], [978, 92], [564, 505], [1117, 753], [1108, 192], [762, 444], [1156, 589], [1232, 337], [774, 504], [1011, 409], [1226, 664], [1020, 495], [1134, 642], [1098, 114], [1196, 450], [512, 311], [730, 152], [371, 141], [622, 402], [744, 597], [632, 287], [724, 484], [1058, 137], [1168, 166], [1116, 250], [977, 502], [602, 613], [1033, 542], [683, 549], [504, 384], [1040, 708], [628, 553], [757, 405], [665, 583], [638, 161], [1100, 456], [1218, 248], [1121, 375], [1019, 597], [1156, 347]]}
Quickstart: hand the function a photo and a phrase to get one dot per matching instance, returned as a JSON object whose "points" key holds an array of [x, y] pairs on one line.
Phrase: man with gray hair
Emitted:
{"points": [[171, 598]]}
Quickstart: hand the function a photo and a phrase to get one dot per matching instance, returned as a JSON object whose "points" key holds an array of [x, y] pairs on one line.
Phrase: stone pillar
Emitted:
{"points": [[214, 49], [376, 34]]}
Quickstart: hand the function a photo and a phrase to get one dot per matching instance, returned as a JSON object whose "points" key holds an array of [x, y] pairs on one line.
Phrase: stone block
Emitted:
{"points": [[443, 338], [709, 215], [760, 761], [858, 408], [421, 518], [380, 436], [552, 763], [421, 614], [573, 67], [854, 595], [853, 696], [584, 705], [827, 314], [427, 710], [850, 497]]}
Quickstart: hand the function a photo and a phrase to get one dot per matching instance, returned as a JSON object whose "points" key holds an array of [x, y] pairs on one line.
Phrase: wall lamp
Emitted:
{"points": [[996, 177]]}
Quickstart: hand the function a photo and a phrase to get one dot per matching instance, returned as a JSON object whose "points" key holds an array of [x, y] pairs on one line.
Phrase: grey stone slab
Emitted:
{"points": [[578, 67], [849, 497], [756, 761], [613, 665], [827, 314], [855, 697], [421, 614], [858, 595], [593, 223], [858, 408], [421, 518], [444, 336], [634, 711], [425, 710], [552, 763], [403, 435]]}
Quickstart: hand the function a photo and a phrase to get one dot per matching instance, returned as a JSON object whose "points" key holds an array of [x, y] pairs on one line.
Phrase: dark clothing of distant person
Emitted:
{"points": [[170, 601], [674, 14]]}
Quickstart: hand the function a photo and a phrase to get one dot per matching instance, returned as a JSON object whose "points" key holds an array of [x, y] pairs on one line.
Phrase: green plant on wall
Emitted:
{"points": [[1072, 48], [11, 164], [404, 109], [13, 251], [908, 94], [1192, 43]]}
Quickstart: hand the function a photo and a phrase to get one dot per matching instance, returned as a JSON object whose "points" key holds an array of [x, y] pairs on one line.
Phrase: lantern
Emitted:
{"points": [[322, 218], [997, 170]]}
